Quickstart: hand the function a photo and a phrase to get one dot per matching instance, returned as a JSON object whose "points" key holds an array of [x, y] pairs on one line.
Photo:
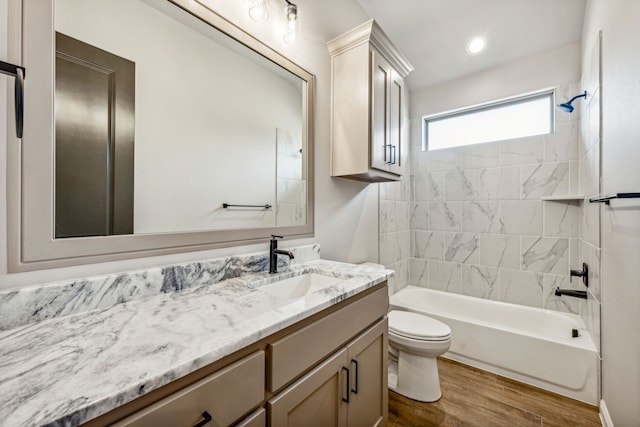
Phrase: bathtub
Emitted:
{"points": [[527, 344]]}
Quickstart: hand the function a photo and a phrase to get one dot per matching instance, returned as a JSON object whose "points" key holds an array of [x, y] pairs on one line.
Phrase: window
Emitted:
{"points": [[514, 118]]}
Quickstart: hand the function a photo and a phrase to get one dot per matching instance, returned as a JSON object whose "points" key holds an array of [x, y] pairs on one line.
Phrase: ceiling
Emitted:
{"points": [[433, 34]]}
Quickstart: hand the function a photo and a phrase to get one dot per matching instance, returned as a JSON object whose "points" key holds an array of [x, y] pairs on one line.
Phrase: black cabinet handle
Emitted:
{"points": [[17, 72], [19, 101], [206, 418], [346, 399], [354, 390], [392, 154]]}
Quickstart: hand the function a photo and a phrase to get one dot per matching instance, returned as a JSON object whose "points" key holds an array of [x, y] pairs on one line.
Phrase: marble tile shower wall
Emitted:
{"points": [[589, 151], [395, 234], [478, 224]]}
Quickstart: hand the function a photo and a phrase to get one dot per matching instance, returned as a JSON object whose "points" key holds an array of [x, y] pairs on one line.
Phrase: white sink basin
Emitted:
{"points": [[299, 286]]}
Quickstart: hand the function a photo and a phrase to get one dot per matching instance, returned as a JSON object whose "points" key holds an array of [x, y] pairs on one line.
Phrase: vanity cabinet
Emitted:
{"points": [[369, 137], [327, 370], [348, 388]]}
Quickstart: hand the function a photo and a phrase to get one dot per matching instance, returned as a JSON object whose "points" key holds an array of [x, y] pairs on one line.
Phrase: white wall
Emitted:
{"points": [[346, 212], [554, 68], [620, 233], [201, 120]]}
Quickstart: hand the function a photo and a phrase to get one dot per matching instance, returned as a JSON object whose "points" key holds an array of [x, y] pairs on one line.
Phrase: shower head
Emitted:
{"points": [[567, 107]]}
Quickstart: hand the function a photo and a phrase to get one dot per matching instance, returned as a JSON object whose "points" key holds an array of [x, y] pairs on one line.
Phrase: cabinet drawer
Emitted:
{"points": [[257, 419], [226, 395], [294, 354]]}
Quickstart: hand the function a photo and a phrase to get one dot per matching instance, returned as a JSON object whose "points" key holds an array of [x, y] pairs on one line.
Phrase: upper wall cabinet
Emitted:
{"points": [[369, 138]]}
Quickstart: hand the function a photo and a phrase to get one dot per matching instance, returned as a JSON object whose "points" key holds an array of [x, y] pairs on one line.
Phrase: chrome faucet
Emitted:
{"points": [[274, 252]]}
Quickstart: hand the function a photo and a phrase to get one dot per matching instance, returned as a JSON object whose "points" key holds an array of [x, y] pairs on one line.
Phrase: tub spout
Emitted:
{"points": [[571, 293]]}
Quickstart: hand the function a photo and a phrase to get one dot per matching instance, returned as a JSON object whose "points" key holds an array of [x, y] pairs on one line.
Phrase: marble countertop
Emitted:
{"points": [[67, 370]]}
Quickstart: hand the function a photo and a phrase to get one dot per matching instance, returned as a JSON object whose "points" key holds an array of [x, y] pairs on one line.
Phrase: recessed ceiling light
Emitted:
{"points": [[476, 45]]}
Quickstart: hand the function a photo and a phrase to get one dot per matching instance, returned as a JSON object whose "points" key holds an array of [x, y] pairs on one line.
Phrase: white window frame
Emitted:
{"points": [[547, 93]]}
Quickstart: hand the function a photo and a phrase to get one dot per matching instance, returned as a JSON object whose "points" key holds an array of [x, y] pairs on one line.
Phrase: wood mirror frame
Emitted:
{"points": [[30, 160]]}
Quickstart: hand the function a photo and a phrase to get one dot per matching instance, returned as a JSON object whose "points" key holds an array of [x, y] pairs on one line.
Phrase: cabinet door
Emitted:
{"points": [[368, 404], [381, 77], [396, 99], [316, 400]]}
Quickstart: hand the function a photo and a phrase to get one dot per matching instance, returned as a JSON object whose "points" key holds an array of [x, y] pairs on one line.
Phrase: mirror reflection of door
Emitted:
{"points": [[94, 149]]}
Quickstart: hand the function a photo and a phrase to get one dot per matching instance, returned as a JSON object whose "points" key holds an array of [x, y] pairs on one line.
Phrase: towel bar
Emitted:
{"points": [[606, 199]]}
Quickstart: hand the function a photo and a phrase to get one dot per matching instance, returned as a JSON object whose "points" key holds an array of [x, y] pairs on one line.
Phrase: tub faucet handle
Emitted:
{"points": [[584, 273]]}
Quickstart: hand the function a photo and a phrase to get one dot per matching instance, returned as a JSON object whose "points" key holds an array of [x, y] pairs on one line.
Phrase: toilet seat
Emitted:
{"points": [[417, 326]]}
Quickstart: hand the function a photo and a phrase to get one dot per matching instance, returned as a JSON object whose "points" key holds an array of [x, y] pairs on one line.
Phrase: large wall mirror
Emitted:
{"points": [[154, 126]]}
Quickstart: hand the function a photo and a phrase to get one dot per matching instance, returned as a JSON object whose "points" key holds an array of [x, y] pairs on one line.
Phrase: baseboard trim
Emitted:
{"points": [[605, 418]]}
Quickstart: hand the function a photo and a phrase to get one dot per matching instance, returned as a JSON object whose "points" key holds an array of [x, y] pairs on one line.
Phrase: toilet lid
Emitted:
{"points": [[417, 326]]}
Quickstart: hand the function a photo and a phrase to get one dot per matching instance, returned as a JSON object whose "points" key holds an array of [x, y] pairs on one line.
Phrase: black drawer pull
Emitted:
{"points": [[206, 417], [346, 399], [355, 386]]}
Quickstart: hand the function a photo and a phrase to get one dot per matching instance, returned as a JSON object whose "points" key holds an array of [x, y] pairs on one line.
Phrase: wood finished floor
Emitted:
{"points": [[472, 397]]}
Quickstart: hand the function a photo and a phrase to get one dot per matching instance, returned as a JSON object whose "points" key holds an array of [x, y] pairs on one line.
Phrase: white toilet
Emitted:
{"points": [[415, 341]]}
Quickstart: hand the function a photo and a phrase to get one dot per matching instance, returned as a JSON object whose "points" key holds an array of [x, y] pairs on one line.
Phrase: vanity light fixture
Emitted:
{"points": [[258, 9], [476, 45], [293, 22]]}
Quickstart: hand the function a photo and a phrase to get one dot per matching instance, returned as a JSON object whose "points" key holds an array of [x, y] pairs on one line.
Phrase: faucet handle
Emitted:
{"points": [[275, 236], [584, 273]]}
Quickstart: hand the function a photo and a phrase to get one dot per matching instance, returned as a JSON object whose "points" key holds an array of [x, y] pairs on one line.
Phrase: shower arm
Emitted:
{"points": [[582, 95]]}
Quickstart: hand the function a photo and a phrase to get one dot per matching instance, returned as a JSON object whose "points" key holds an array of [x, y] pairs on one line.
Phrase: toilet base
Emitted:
{"points": [[392, 378], [417, 377]]}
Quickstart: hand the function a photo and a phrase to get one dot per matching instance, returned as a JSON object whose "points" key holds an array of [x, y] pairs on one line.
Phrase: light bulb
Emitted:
{"points": [[258, 10], [290, 37], [291, 12], [293, 23], [476, 45]]}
